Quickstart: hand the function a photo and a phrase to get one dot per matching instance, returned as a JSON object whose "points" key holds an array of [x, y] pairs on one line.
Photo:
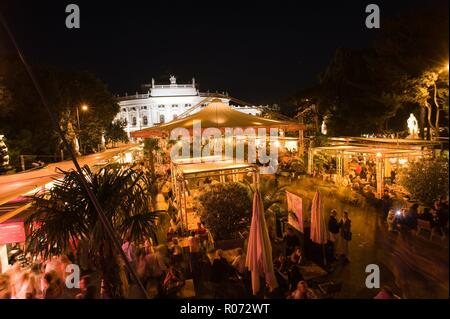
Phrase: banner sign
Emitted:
{"points": [[295, 211], [12, 232]]}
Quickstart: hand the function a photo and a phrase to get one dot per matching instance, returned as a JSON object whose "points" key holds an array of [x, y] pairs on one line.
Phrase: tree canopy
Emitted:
{"points": [[26, 124], [404, 71], [426, 180], [225, 209]]}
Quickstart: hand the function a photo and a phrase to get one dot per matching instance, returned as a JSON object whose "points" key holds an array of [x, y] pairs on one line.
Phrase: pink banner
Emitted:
{"points": [[295, 211], [12, 232]]}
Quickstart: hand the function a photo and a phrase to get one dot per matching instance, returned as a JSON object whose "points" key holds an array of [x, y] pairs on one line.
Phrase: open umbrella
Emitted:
{"points": [[259, 248], [319, 231]]}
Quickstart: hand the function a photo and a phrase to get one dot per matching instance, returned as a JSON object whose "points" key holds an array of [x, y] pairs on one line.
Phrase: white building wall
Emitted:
{"points": [[184, 96]]}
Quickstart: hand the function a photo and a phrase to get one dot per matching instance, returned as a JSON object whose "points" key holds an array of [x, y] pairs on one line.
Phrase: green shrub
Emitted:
{"points": [[226, 209], [426, 180]]}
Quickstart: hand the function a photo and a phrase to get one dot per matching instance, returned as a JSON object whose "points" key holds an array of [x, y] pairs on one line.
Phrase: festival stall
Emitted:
{"points": [[368, 164], [234, 129]]}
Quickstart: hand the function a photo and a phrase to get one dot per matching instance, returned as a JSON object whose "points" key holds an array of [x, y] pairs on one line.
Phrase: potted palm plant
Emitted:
{"points": [[64, 215]]}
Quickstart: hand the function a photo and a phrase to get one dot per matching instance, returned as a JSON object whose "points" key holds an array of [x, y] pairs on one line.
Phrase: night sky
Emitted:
{"points": [[257, 52]]}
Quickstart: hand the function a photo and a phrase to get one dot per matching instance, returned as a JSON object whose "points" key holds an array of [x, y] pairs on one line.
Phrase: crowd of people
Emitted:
{"points": [[164, 269], [44, 279], [407, 218], [287, 268]]}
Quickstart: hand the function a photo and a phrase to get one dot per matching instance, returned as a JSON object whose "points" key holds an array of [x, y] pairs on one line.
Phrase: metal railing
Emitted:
{"points": [[133, 97], [171, 86]]}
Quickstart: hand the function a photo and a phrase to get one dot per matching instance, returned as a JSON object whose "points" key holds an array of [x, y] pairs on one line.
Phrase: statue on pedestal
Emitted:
{"points": [[173, 80], [413, 126], [324, 128]]}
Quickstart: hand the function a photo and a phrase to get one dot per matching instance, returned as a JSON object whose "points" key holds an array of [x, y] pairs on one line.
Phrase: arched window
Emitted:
{"points": [[145, 120], [134, 121], [161, 118]]}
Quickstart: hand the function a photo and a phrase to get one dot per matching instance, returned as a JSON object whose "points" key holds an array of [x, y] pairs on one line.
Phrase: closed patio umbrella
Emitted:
{"points": [[259, 248], [319, 231]]}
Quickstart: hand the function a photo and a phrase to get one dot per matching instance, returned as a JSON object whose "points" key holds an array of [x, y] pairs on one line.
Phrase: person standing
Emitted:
{"points": [[129, 250], [412, 216], [345, 225], [221, 271], [333, 229], [195, 256], [391, 221], [386, 204], [176, 253]]}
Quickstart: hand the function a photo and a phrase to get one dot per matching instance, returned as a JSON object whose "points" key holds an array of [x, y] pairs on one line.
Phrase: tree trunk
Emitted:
{"points": [[437, 110], [110, 271], [422, 122], [430, 122]]}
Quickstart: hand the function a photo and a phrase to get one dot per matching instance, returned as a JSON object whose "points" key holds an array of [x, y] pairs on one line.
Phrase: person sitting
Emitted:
{"points": [[302, 292], [201, 232], [281, 268], [239, 263], [297, 257], [294, 277], [173, 281], [281, 264], [220, 267]]}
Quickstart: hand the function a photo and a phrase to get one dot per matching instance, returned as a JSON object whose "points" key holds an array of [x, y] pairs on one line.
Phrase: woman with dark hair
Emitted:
{"points": [[345, 225]]}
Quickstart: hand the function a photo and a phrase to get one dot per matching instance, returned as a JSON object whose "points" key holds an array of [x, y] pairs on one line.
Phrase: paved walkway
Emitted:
{"points": [[411, 265]]}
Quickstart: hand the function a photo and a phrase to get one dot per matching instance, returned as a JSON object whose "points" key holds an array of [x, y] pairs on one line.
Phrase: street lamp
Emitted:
{"points": [[443, 69], [84, 108]]}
